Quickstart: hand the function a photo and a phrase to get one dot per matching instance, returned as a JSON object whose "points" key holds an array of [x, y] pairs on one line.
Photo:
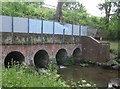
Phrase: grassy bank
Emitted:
{"points": [[26, 77], [113, 45]]}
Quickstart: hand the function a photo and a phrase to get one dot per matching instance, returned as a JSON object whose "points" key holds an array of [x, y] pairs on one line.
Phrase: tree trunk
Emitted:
{"points": [[107, 12], [58, 11]]}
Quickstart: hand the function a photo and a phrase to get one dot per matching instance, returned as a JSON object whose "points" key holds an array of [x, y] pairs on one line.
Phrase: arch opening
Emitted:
{"points": [[13, 58], [61, 56], [41, 59], [77, 56]]}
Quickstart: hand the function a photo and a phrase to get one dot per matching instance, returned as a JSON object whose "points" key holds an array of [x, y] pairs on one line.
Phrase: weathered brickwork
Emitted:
{"points": [[25, 38], [95, 50], [30, 44]]}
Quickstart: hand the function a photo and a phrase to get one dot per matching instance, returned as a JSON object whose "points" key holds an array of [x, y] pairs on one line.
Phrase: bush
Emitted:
{"points": [[119, 51], [114, 51], [26, 77], [112, 62]]}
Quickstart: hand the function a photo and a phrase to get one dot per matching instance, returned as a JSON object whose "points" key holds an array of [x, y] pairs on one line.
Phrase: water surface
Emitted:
{"points": [[94, 74]]}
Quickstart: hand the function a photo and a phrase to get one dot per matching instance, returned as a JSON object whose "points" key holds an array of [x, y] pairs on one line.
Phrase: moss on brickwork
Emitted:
{"points": [[24, 38]]}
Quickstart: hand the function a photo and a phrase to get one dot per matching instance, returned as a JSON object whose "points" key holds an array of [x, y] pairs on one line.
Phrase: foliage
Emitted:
{"points": [[119, 52], [112, 62], [27, 77], [33, 10], [72, 12], [111, 20], [83, 83], [26, 9], [113, 51], [106, 6], [114, 47], [59, 11]]}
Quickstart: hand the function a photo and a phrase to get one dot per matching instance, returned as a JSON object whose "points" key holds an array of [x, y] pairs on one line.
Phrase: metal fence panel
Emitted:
{"points": [[84, 30], [75, 29], [91, 31], [20, 24], [35, 26], [68, 29], [58, 28], [47, 27], [6, 23]]}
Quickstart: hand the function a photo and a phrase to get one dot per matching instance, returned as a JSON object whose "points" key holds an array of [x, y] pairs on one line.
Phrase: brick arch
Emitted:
{"points": [[6, 49], [61, 48], [77, 52], [41, 59], [14, 57], [77, 55], [30, 50], [61, 55]]}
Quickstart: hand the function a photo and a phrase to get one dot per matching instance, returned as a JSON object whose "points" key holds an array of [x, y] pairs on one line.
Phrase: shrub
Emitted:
{"points": [[26, 77]]}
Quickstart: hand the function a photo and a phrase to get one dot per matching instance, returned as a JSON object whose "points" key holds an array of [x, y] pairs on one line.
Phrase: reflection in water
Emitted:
{"points": [[97, 75]]}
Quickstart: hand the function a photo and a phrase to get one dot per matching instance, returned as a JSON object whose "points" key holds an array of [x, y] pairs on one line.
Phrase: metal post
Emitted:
{"points": [[12, 25], [28, 31], [63, 35], [72, 34], [72, 30], [53, 31], [28, 25], [79, 33], [12, 29], [42, 30]]}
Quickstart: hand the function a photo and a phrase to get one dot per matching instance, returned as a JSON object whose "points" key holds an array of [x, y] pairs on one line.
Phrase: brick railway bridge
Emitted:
{"points": [[39, 49], [36, 50]]}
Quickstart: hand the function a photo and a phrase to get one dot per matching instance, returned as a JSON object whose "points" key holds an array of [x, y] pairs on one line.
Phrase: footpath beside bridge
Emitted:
{"points": [[39, 48]]}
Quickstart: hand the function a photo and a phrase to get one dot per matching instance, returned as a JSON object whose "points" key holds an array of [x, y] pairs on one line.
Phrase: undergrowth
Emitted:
{"points": [[22, 76]]}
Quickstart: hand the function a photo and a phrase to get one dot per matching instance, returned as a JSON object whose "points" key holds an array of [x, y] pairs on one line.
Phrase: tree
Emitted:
{"points": [[107, 8], [73, 6], [59, 10], [112, 19], [66, 5]]}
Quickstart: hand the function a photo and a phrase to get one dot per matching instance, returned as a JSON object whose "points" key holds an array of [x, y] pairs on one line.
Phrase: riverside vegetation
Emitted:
{"points": [[22, 76]]}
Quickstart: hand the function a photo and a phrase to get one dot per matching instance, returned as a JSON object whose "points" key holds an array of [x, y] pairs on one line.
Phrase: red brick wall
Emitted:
{"points": [[94, 50], [91, 49], [29, 50]]}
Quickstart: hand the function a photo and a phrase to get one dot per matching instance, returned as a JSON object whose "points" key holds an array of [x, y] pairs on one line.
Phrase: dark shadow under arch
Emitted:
{"points": [[14, 57], [41, 59], [77, 52], [77, 55], [61, 56]]}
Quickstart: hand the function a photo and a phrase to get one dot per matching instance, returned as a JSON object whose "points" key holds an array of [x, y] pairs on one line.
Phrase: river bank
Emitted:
{"points": [[22, 76]]}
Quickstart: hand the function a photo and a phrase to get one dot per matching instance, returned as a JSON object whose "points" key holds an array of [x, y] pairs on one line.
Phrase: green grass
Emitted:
{"points": [[26, 77], [113, 45]]}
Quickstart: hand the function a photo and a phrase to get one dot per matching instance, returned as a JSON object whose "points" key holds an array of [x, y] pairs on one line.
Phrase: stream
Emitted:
{"points": [[95, 74]]}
